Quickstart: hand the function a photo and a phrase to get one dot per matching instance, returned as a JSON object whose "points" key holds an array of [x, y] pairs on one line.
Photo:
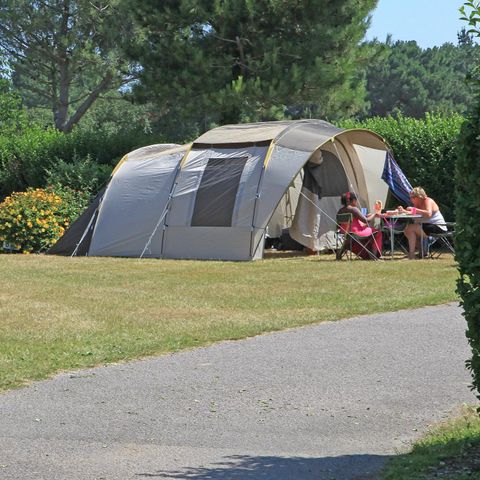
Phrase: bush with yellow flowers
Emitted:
{"points": [[34, 220]]}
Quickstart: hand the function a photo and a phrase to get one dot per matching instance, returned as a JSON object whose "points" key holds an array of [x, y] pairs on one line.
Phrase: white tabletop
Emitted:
{"points": [[402, 215]]}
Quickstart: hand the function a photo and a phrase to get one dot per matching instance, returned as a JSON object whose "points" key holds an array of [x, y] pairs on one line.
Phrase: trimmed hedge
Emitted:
{"points": [[467, 241], [425, 149], [27, 156]]}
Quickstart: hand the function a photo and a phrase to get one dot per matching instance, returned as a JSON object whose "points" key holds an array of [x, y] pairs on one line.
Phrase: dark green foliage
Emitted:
{"points": [[80, 174], [467, 212], [425, 150], [239, 60], [12, 116], [467, 244], [404, 78], [396, 82], [26, 156]]}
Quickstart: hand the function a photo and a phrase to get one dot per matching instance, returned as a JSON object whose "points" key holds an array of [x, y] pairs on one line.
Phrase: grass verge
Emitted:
{"points": [[450, 451], [66, 313]]}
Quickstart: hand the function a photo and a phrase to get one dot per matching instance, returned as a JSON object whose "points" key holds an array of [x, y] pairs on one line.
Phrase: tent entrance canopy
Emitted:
{"points": [[335, 167], [215, 198]]}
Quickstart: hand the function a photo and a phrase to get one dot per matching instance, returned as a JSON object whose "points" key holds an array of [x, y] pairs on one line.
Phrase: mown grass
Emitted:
{"points": [[450, 451], [66, 313]]}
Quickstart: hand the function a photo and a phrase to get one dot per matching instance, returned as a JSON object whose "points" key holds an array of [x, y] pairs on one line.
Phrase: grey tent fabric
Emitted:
{"points": [[186, 240], [76, 238], [135, 200], [217, 198], [323, 184]]}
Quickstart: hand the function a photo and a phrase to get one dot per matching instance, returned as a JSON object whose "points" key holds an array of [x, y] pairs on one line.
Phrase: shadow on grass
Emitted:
{"points": [[244, 467]]}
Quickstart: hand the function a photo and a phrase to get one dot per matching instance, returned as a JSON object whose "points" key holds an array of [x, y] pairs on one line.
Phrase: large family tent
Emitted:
{"points": [[221, 196]]}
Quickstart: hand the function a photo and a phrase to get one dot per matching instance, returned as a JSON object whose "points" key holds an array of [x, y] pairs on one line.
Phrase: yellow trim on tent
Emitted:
{"points": [[119, 164], [184, 159], [269, 154]]}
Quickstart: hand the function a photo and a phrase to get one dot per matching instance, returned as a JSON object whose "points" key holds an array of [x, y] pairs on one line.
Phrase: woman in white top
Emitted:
{"points": [[432, 220]]}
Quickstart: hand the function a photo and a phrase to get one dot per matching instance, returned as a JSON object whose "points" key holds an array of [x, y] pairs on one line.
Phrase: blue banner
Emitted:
{"points": [[396, 179]]}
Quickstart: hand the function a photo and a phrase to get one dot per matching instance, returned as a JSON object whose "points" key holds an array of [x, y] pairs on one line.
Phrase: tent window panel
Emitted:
{"points": [[215, 199]]}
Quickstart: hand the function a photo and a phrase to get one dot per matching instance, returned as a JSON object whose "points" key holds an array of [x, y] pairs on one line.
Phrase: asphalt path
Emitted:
{"points": [[330, 401]]}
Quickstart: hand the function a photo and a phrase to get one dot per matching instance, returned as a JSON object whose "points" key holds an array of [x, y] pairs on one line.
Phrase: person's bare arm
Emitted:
{"points": [[428, 211]]}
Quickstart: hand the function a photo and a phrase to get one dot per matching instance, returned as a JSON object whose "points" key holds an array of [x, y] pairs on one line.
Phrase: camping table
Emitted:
{"points": [[399, 216]]}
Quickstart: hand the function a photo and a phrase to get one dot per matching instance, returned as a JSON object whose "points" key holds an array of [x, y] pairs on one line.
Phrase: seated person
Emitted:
{"points": [[371, 245], [432, 220]]}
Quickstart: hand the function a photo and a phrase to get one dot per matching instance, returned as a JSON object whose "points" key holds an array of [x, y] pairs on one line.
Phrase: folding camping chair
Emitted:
{"points": [[345, 239], [444, 241]]}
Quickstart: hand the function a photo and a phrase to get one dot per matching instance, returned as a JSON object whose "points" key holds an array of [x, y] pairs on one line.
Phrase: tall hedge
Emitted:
{"points": [[27, 156], [467, 243], [425, 150]]}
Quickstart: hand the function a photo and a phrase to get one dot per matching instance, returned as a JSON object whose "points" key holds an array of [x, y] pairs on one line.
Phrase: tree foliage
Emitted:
{"points": [[413, 81], [240, 60], [12, 115], [65, 53], [467, 245]]}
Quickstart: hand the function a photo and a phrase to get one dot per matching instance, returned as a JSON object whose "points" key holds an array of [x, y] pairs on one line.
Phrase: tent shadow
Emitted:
{"points": [[245, 467], [269, 254]]}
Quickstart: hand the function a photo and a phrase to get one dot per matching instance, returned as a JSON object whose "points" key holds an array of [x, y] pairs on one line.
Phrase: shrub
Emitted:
{"points": [[467, 212], [32, 221], [425, 149], [27, 156], [81, 174], [467, 242]]}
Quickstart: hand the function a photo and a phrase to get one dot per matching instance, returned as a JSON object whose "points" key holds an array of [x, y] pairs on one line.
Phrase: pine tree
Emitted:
{"points": [[238, 60], [64, 53]]}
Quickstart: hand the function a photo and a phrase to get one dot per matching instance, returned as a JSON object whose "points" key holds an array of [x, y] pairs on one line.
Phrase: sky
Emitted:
{"points": [[429, 22]]}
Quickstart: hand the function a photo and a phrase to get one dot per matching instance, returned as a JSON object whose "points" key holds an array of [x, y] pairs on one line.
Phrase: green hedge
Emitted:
{"points": [[467, 241], [425, 149], [28, 156]]}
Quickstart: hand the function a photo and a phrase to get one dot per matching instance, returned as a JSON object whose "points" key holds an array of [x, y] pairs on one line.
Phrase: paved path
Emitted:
{"points": [[331, 401]]}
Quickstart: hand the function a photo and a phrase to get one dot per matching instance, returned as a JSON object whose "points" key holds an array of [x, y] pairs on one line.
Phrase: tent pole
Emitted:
{"points": [[74, 253], [162, 216], [335, 221], [257, 196], [167, 207]]}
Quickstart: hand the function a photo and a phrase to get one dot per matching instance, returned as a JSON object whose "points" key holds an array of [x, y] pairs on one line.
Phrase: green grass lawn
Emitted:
{"points": [[450, 451], [65, 313]]}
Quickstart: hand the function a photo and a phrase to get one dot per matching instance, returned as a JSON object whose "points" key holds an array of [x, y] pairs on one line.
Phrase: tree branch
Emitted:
{"points": [[82, 109]]}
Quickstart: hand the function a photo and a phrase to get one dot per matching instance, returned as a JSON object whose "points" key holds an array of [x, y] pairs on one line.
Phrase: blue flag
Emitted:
{"points": [[396, 179]]}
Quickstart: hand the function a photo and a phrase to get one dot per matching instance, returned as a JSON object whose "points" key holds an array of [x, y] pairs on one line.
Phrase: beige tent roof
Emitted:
{"points": [[305, 135]]}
